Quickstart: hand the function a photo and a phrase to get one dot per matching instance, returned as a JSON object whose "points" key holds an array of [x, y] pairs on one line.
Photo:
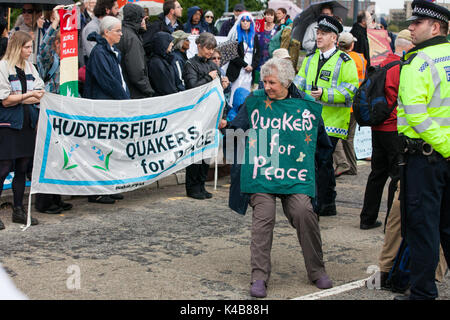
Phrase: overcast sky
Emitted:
{"points": [[384, 5]]}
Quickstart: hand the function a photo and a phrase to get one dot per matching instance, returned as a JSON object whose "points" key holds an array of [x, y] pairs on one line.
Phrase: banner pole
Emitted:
{"points": [[215, 173]]}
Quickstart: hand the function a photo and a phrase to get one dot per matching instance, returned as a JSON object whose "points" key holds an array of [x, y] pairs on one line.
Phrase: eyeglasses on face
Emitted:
{"points": [[216, 58], [117, 30], [209, 17], [29, 11]]}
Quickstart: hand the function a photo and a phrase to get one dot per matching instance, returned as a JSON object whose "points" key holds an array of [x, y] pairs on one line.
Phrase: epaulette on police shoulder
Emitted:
{"points": [[345, 57], [310, 54], [409, 60]]}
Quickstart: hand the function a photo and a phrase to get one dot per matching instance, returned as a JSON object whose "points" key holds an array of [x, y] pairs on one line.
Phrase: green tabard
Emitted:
{"points": [[281, 145]]}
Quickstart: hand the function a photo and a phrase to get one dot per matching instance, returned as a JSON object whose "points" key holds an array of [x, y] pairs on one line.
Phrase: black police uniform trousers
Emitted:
{"points": [[326, 181], [427, 206], [385, 150]]}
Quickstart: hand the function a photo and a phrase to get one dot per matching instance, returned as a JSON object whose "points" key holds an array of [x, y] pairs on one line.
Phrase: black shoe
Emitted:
{"points": [[384, 283], [208, 195], [363, 226], [2, 226], [53, 209], [116, 196], [101, 199], [20, 216], [65, 206], [402, 297], [328, 210], [198, 196]]}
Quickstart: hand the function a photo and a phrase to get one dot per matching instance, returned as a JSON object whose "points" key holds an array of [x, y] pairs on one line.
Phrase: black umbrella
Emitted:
{"points": [[311, 14], [46, 4]]}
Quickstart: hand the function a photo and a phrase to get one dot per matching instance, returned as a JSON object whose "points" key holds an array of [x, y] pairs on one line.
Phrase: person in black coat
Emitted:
{"points": [[200, 70], [134, 67], [162, 74], [359, 31]]}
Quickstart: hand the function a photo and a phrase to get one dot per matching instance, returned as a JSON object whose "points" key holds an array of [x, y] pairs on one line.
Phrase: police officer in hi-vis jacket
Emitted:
{"points": [[423, 124], [330, 76]]}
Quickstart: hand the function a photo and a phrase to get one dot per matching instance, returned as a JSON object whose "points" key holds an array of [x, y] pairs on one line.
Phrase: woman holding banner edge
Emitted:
{"points": [[21, 89], [198, 71]]}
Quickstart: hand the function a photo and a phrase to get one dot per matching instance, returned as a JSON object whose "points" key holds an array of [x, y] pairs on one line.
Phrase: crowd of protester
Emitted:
{"points": [[132, 58]]}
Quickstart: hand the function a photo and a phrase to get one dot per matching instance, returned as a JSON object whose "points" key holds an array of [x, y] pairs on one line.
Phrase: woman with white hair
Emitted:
{"points": [[278, 76], [104, 79], [241, 70]]}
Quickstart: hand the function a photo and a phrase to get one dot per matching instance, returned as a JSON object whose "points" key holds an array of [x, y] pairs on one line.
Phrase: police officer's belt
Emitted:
{"points": [[417, 146]]}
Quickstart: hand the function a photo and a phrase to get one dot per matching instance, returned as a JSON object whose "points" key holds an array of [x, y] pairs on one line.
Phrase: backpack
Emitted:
{"points": [[370, 107], [399, 276]]}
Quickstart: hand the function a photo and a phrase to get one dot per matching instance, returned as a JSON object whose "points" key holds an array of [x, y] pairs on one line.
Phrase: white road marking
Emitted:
{"points": [[334, 291]]}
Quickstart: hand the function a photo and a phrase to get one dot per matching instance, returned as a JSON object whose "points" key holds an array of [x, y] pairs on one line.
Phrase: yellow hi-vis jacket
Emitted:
{"points": [[424, 95], [339, 80]]}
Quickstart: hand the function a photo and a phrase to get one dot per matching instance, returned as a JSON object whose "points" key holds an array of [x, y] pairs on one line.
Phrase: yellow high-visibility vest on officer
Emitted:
{"points": [[331, 77], [335, 74], [424, 125]]}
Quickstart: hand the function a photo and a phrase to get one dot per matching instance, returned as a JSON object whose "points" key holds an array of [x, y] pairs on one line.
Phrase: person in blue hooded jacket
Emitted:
{"points": [[196, 23], [160, 68], [104, 79]]}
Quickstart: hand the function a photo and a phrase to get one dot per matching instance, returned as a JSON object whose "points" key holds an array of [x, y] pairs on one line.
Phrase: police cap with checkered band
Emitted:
{"points": [[329, 24], [429, 10]]}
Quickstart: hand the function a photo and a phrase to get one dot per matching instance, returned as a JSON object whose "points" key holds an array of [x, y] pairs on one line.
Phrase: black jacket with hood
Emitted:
{"points": [[160, 68], [134, 67]]}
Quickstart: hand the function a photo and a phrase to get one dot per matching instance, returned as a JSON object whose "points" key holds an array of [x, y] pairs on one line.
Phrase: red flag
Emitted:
{"points": [[259, 25]]}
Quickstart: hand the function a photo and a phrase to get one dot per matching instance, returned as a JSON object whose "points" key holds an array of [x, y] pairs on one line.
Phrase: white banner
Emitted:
{"points": [[363, 142], [108, 146]]}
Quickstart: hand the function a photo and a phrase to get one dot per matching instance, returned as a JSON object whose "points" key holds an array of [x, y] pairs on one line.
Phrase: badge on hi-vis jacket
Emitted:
{"points": [[325, 75], [447, 72]]}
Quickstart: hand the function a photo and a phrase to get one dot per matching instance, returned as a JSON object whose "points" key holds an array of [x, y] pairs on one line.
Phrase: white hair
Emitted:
{"points": [[108, 23], [401, 42], [281, 68]]}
